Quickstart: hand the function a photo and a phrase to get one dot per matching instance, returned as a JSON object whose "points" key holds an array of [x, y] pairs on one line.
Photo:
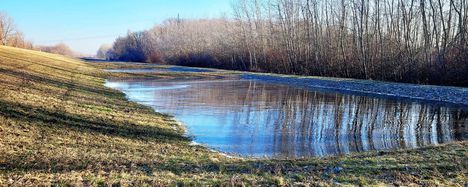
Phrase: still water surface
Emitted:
{"points": [[157, 68], [252, 118]]}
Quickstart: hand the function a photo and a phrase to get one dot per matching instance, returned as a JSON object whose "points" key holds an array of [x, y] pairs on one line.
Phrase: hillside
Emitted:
{"points": [[60, 125], [58, 122]]}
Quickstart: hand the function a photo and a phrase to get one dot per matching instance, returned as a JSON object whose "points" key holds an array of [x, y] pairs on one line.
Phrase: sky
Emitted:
{"points": [[85, 25]]}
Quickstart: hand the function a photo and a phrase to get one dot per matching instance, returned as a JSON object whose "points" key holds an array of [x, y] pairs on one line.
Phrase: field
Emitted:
{"points": [[60, 126]]}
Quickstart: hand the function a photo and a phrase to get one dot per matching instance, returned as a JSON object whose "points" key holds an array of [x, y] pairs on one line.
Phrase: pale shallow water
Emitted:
{"points": [[158, 69], [251, 118]]}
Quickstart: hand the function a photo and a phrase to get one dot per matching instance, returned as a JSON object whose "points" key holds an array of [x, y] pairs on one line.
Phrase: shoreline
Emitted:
{"points": [[441, 94], [308, 83], [428, 93], [401, 166]]}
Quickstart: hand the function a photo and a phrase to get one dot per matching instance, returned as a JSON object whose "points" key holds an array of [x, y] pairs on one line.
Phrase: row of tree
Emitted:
{"points": [[419, 41], [61, 49]]}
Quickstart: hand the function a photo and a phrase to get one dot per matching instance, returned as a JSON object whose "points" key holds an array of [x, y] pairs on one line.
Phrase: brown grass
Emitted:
{"points": [[60, 126]]}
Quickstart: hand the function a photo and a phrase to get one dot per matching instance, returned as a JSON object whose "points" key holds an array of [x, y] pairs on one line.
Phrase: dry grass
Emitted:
{"points": [[60, 126]]}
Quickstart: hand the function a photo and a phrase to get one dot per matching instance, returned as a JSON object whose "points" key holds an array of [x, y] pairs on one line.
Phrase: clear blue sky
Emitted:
{"points": [[86, 24]]}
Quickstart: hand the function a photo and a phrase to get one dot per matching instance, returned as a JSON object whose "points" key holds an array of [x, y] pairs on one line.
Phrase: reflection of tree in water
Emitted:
{"points": [[322, 124], [306, 123]]}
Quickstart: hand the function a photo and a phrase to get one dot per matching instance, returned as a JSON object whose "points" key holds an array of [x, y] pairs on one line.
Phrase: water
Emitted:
{"points": [[137, 70], [159, 69], [252, 118]]}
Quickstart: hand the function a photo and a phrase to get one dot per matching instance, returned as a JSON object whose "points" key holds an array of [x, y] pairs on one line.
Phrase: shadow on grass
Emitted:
{"points": [[56, 83], [25, 114], [88, 124]]}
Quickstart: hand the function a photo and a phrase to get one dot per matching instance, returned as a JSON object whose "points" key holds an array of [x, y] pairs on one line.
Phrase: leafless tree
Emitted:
{"points": [[104, 52], [61, 49], [419, 41], [7, 28]]}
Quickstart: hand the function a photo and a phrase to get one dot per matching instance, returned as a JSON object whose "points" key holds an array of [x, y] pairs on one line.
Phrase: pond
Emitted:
{"points": [[156, 69], [261, 119]]}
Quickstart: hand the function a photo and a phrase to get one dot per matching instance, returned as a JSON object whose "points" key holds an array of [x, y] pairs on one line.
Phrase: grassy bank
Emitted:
{"points": [[60, 125]]}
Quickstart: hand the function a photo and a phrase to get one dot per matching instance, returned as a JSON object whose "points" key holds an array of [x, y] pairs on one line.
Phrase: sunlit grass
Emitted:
{"points": [[60, 126]]}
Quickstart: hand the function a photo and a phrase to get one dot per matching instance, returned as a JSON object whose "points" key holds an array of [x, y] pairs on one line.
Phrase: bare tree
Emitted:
{"points": [[104, 52], [420, 41], [7, 28], [61, 49]]}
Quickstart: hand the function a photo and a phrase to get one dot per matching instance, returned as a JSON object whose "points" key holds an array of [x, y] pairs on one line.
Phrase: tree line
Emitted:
{"points": [[417, 41]]}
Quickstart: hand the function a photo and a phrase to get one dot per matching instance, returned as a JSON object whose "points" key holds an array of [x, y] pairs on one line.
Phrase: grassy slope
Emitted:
{"points": [[60, 125]]}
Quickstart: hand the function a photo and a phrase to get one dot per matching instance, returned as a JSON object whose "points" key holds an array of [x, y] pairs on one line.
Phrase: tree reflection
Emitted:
{"points": [[254, 118]]}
